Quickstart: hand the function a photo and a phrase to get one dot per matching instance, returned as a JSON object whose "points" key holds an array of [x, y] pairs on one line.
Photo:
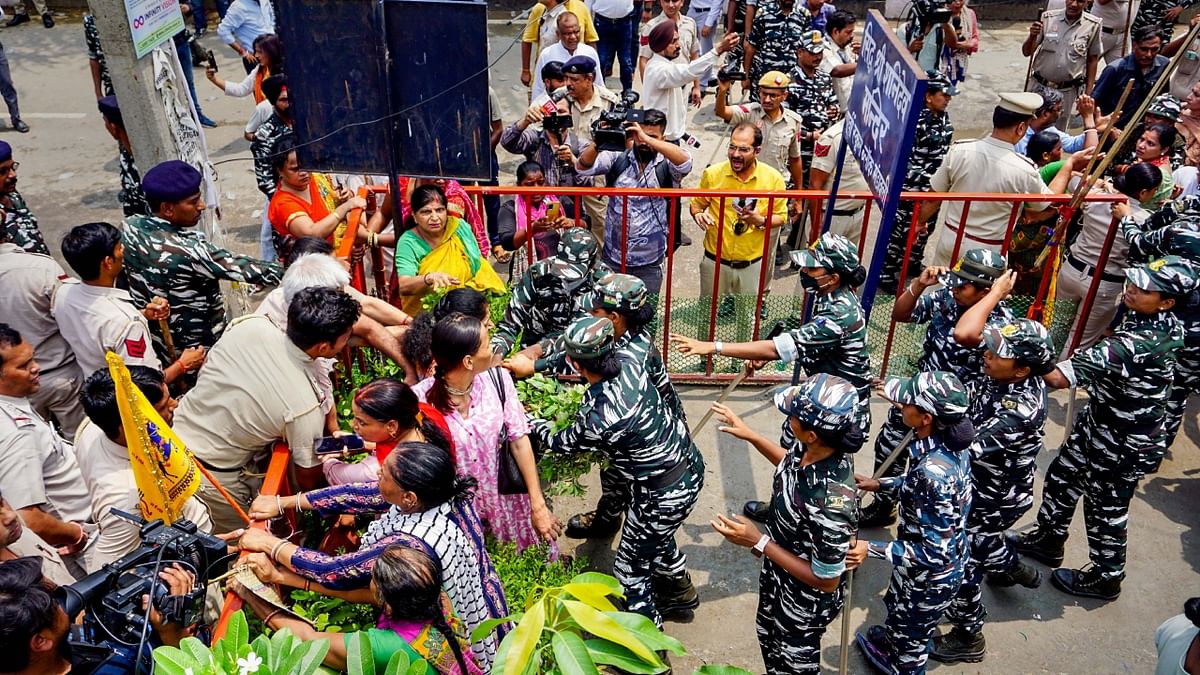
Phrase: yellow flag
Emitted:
{"points": [[163, 468]]}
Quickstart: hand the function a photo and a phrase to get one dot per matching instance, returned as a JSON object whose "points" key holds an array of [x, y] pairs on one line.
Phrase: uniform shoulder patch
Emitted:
{"points": [[136, 348], [821, 150]]}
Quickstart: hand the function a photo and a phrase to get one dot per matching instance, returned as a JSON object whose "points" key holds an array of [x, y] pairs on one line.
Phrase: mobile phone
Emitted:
{"points": [[335, 444], [554, 211], [212, 60]]}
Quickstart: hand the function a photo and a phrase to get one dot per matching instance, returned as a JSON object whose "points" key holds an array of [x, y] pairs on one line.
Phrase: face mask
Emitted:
{"points": [[644, 153], [812, 284]]}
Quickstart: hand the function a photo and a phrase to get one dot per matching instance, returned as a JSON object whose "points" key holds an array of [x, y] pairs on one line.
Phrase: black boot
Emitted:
{"points": [[756, 510], [879, 513], [1043, 547], [591, 525], [17, 20], [1086, 583], [676, 598], [958, 646], [1023, 574]]}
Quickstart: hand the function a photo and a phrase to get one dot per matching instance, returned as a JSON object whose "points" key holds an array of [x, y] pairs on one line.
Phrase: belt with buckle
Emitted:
{"points": [[981, 240], [1091, 271], [735, 264], [1109, 31], [847, 212], [1059, 85]]}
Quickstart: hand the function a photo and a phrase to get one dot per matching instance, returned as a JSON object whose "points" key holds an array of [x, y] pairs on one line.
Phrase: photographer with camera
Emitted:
{"points": [[544, 133], [955, 36], [36, 630], [639, 246], [664, 79], [1065, 47]]}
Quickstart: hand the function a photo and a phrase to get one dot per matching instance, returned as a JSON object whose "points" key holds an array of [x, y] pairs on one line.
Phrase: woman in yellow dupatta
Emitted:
{"points": [[437, 250]]}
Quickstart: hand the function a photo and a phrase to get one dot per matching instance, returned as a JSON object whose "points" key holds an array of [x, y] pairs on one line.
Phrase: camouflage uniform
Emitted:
{"points": [[625, 418], [1009, 421], [549, 294], [1173, 230], [813, 515], [262, 147], [930, 143], [811, 97], [95, 52], [1152, 13], [931, 546], [941, 350], [775, 37], [133, 199], [21, 226], [178, 264], [1117, 435]]}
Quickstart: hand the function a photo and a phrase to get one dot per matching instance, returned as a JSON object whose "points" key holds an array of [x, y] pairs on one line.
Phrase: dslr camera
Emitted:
{"points": [[926, 14], [731, 73], [552, 119], [115, 621], [609, 130]]}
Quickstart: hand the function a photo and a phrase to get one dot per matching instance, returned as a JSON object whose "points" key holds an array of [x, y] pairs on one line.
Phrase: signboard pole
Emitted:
{"points": [[886, 100]]}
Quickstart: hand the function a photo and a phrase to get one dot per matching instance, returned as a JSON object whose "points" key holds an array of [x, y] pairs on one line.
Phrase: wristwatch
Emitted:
{"points": [[760, 548]]}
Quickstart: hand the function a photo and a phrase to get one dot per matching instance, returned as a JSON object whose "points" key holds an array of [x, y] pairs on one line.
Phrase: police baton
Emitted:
{"points": [[844, 655], [776, 330], [168, 339]]}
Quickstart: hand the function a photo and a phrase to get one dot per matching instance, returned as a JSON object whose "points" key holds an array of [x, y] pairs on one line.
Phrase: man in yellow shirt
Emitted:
{"points": [[744, 223], [540, 30]]}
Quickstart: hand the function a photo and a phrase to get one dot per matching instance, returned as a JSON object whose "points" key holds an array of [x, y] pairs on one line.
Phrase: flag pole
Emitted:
{"points": [[220, 488]]}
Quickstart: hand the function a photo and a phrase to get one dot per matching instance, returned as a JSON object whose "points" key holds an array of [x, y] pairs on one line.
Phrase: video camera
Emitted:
{"points": [[609, 130], [926, 14], [731, 73], [113, 594], [552, 119]]}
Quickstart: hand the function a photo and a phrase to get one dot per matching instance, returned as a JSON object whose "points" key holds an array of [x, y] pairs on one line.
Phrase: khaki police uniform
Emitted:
{"points": [[835, 56], [38, 469], [847, 213], [256, 387], [30, 281], [109, 477], [582, 119], [984, 165], [30, 545], [689, 40], [1187, 73], [1115, 18], [97, 319], [1060, 59]]}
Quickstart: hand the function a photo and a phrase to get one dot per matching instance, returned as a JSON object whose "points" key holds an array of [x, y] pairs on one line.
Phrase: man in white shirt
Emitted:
{"points": [[104, 461], [689, 41], [662, 86], [568, 45], [38, 472], [97, 317], [841, 55], [616, 24]]}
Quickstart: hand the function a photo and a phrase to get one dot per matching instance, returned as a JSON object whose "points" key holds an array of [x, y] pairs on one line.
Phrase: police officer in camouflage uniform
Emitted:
{"points": [[621, 298], [20, 225], [1008, 409], [811, 94], [775, 35], [932, 544], [1117, 436], [813, 512], [1160, 15], [133, 200], [549, 294], [165, 257], [834, 341], [964, 287], [930, 143], [1172, 230], [623, 416]]}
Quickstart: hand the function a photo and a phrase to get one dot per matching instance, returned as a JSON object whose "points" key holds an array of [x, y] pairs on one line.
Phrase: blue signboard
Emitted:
{"points": [[881, 116]]}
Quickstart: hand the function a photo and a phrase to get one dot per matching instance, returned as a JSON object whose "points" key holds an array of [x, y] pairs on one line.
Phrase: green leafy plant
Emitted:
{"points": [[374, 366], [549, 399], [523, 573], [360, 660], [235, 654], [333, 615], [574, 628], [717, 669]]}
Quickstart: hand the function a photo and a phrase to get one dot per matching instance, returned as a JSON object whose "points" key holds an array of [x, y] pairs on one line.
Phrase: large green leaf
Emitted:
{"points": [[282, 644], [595, 595], [198, 651], [572, 655], [719, 669], [606, 653], [237, 631], [606, 580], [306, 658], [398, 664], [359, 659], [599, 624], [650, 634], [500, 662], [173, 661], [525, 639], [485, 629]]}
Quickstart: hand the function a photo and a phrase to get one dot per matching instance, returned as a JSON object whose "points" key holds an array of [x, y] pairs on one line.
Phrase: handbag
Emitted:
{"points": [[509, 480]]}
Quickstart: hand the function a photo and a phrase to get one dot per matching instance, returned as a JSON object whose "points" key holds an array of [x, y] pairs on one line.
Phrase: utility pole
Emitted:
{"points": [[133, 80]]}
